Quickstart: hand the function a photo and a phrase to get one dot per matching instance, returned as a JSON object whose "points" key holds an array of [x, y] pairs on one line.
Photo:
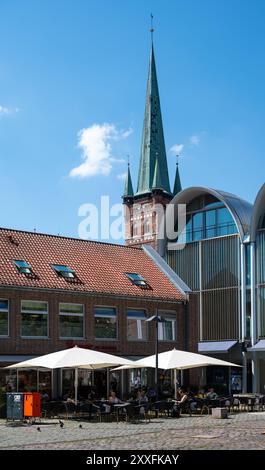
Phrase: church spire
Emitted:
{"points": [[177, 184], [128, 188], [153, 143]]}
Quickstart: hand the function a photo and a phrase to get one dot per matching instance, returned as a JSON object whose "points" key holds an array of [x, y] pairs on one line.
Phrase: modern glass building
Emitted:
{"points": [[216, 264]]}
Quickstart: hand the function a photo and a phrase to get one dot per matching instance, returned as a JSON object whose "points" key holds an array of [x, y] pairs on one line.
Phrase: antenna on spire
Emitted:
{"points": [[151, 26], [128, 160]]}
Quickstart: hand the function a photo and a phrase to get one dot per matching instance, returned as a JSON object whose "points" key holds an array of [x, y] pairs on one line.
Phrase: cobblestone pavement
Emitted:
{"points": [[239, 431]]}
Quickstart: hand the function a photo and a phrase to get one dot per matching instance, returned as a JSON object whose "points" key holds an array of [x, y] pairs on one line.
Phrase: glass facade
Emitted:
{"points": [[34, 318], [207, 219], [136, 325], [71, 318], [4, 320], [209, 264], [105, 323]]}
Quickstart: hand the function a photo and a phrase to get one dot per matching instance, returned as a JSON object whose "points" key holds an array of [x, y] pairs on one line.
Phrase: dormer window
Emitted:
{"points": [[22, 266], [64, 271], [137, 279]]}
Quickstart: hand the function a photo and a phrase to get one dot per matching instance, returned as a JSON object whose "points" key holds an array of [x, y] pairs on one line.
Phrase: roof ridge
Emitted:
{"points": [[69, 238]]}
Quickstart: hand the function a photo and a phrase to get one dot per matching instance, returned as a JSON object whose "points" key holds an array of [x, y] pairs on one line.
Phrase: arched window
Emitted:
{"points": [[207, 217]]}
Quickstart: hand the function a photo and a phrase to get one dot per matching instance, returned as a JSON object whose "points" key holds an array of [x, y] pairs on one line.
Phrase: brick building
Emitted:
{"points": [[56, 292]]}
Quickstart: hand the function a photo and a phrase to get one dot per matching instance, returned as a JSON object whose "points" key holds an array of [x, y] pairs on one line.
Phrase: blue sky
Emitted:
{"points": [[66, 65]]}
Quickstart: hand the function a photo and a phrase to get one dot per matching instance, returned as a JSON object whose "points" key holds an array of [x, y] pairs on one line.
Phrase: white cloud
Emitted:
{"points": [[4, 110], [195, 140], [96, 144], [122, 176], [177, 148]]}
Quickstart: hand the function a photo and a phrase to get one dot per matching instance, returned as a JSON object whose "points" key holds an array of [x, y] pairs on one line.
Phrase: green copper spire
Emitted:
{"points": [[177, 184], [153, 143], [128, 188]]}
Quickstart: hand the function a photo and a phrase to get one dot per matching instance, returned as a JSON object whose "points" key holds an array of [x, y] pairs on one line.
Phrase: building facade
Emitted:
{"points": [[56, 292]]}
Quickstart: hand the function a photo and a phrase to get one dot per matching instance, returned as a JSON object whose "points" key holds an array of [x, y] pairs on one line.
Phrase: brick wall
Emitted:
{"points": [[17, 345]]}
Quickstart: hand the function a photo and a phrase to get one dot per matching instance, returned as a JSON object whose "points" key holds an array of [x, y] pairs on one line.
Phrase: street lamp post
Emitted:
{"points": [[157, 319]]}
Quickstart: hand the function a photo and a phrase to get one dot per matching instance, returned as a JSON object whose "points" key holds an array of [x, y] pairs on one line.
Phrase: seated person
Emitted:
{"points": [[201, 393], [69, 396], [113, 399], [142, 397], [183, 398], [211, 394]]}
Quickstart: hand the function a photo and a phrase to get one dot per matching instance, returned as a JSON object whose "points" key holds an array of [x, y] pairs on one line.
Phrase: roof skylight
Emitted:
{"points": [[137, 279], [64, 271], [23, 266]]}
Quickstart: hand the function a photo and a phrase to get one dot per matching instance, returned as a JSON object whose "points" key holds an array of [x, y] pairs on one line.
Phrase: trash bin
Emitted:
{"points": [[14, 406], [32, 408]]}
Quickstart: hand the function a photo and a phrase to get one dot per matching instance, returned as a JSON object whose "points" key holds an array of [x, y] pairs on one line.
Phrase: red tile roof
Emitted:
{"points": [[100, 267]]}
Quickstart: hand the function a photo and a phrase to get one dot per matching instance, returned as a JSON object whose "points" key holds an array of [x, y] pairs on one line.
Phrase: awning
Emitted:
{"points": [[259, 346], [207, 347], [14, 358]]}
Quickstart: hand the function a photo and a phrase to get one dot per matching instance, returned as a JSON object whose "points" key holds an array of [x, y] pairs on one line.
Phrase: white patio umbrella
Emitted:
{"points": [[74, 358], [177, 360]]}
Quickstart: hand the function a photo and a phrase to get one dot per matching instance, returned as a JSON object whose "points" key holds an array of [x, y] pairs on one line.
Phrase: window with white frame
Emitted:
{"points": [[167, 328], [4, 317], [105, 323], [71, 320], [136, 325], [34, 318]]}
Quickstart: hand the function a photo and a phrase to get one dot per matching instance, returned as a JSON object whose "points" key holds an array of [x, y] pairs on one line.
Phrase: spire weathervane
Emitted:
{"points": [[152, 28]]}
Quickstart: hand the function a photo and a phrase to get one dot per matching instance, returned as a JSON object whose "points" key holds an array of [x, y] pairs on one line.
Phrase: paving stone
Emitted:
{"points": [[239, 431]]}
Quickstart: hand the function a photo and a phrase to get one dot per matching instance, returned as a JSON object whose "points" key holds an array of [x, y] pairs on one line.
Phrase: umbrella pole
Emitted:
{"points": [[76, 384], [175, 383]]}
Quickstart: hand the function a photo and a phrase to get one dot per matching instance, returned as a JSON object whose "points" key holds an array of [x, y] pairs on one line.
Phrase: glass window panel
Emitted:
{"points": [[21, 264], [211, 201], [32, 305], [105, 327], [3, 323], [210, 220], [63, 268], [132, 329], [45, 384], [136, 314], [34, 324], [71, 308], [189, 229], [166, 330], [105, 312], [225, 222], [27, 380], [71, 326], [198, 226], [68, 379], [136, 329], [3, 304]]}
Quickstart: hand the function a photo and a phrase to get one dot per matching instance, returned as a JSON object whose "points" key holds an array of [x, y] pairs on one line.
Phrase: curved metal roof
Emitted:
{"points": [[258, 211], [240, 209]]}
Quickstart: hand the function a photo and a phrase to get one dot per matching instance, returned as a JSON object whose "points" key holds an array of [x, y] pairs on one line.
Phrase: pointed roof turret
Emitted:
{"points": [[177, 184], [153, 137], [128, 187], [157, 180]]}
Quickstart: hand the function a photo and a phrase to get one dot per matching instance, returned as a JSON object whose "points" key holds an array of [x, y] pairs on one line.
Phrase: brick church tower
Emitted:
{"points": [[153, 188]]}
